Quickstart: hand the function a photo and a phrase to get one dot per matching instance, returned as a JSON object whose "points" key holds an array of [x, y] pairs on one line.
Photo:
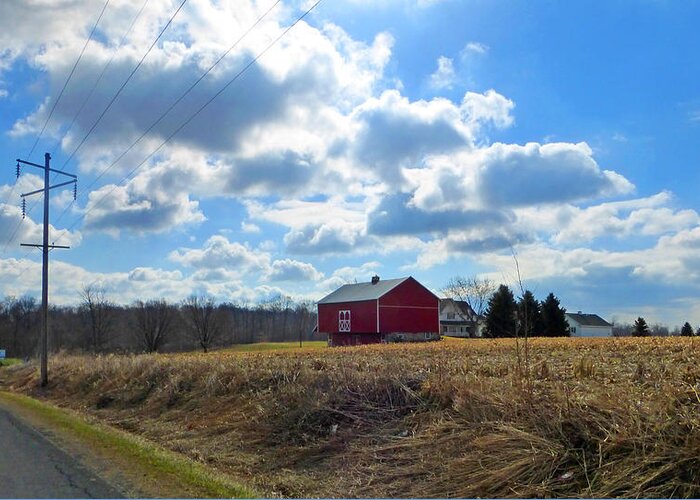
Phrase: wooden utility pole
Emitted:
{"points": [[45, 247]]}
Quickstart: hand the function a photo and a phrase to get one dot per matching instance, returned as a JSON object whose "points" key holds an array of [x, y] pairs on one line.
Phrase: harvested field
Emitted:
{"points": [[584, 417]]}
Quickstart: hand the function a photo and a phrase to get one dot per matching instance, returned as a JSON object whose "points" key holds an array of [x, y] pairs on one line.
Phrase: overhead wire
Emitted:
{"points": [[101, 75], [119, 91], [70, 75], [51, 112], [174, 103], [111, 102], [193, 115]]}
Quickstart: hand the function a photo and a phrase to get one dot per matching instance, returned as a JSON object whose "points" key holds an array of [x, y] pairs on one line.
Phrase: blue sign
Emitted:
{"points": [[2, 353]]}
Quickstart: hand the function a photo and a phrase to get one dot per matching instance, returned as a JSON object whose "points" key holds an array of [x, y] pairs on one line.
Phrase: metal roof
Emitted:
{"points": [[588, 319], [357, 292]]}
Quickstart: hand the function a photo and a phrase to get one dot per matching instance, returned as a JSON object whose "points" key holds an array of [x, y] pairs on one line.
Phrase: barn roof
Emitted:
{"points": [[357, 292], [588, 319]]}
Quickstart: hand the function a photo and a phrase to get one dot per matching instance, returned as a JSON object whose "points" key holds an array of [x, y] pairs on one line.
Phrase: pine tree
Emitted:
{"points": [[501, 314], [640, 328], [687, 330], [529, 316], [553, 318]]}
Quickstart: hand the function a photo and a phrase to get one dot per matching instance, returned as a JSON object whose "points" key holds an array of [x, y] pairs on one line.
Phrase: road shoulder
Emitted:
{"points": [[135, 466]]}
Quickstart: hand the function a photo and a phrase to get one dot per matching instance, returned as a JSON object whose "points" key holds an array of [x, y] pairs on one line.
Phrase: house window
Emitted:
{"points": [[573, 329], [344, 321], [450, 315]]}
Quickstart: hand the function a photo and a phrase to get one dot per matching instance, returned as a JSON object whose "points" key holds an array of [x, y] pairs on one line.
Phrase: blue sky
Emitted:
{"points": [[424, 138]]}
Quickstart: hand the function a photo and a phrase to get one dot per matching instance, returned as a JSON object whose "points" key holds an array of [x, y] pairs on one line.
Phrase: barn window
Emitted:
{"points": [[344, 321]]}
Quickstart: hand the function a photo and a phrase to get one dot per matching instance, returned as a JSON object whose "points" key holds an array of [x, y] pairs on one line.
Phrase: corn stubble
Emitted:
{"points": [[595, 418]]}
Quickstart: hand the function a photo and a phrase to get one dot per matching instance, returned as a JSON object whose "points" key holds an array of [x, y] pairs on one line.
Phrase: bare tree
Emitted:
{"points": [[153, 323], [99, 312], [474, 291], [22, 316], [203, 320]]}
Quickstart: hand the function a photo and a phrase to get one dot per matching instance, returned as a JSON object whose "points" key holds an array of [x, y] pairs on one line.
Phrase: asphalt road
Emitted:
{"points": [[32, 467]]}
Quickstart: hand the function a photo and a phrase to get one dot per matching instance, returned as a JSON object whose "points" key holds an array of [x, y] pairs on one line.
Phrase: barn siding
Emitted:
{"points": [[409, 308], [363, 317]]}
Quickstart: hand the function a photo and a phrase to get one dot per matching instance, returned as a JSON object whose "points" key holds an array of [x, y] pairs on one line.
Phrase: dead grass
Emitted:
{"points": [[599, 418]]}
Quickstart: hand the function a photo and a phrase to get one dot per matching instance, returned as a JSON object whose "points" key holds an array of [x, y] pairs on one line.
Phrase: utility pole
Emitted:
{"points": [[45, 247]]}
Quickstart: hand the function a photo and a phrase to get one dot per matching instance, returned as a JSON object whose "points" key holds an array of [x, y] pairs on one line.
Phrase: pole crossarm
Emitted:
{"points": [[41, 246], [24, 195], [50, 169]]}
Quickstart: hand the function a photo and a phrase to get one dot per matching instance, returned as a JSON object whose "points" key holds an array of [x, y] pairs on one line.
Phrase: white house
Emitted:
{"points": [[457, 319], [588, 325]]}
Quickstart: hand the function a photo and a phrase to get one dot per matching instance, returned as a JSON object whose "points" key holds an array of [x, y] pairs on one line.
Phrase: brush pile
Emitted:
{"points": [[581, 417]]}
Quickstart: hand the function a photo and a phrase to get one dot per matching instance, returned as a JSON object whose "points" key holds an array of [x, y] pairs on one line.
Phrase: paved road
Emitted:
{"points": [[32, 467]]}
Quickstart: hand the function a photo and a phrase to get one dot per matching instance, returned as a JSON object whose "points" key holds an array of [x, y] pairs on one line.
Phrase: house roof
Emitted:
{"points": [[588, 319], [459, 306], [361, 291]]}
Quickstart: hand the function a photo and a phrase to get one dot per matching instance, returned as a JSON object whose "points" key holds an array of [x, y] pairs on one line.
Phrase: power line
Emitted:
{"points": [[53, 108], [175, 103], [190, 118], [102, 73], [193, 115], [114, 98], [108, 105], [70, 75]]}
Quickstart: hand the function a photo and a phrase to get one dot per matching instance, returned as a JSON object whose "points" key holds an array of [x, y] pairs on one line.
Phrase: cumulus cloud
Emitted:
{"points": [[396, 215], [219, 252], [292, 270], [334, 237]]}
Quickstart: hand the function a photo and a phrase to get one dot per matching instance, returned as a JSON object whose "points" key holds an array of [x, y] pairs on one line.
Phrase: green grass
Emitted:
{"points": [[143, 456], [10, 361], [276, 346]]}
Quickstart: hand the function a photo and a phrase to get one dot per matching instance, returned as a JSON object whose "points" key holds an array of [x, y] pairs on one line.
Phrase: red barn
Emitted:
{"points": [[379, 311]]}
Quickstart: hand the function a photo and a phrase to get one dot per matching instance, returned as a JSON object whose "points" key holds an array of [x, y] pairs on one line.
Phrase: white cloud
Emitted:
{"points": [[248, 227], [444, 76], [292, 270], [475, 48], [219, 252]]}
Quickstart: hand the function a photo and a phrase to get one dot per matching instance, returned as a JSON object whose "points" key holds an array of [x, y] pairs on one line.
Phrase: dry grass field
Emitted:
{"points": [[582, 417]]}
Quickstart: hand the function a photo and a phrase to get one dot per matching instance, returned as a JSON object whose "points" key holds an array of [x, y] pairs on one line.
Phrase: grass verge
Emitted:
{"points": [[10, 361], [148, 468]]}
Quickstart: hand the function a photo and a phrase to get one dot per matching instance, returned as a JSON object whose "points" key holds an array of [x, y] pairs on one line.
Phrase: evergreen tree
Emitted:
{"points": [[529, 316], [501, 314], [553, 318], [640, 328], [687, 330]]}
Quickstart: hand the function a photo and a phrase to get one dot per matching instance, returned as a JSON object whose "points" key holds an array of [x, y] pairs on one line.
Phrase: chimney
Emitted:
{"points": [[375, 279]]}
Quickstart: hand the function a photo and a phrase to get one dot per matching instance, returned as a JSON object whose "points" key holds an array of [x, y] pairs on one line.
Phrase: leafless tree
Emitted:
{"points": [[153, 323], [99, 312], [472, 290], [22, 317], [203, 320]]}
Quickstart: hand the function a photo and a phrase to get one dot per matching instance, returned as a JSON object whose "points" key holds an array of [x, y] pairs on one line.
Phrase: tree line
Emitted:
{"points": [[99, 325], [640, 328]]}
